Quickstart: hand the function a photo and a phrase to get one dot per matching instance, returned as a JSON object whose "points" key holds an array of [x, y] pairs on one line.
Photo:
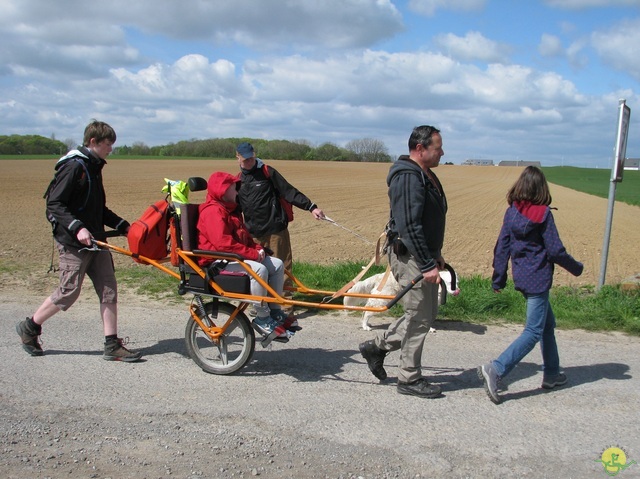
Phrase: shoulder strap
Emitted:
{"points": [[267, 174], [64, 163]]}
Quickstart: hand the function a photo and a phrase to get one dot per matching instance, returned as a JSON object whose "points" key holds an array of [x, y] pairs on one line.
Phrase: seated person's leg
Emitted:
{"points": [[275, 268], [256, 288]]}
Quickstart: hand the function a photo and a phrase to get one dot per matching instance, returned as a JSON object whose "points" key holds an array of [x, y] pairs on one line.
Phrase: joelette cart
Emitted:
{"points": [[219, 337]]}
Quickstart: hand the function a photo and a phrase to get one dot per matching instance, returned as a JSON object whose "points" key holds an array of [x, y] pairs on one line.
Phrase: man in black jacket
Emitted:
{"points": [[259, 196], [76, 208], [415, 238]]}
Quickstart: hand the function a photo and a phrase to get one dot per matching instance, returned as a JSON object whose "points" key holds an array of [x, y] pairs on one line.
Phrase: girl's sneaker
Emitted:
{"points": [[489, 376], [550, 382]]}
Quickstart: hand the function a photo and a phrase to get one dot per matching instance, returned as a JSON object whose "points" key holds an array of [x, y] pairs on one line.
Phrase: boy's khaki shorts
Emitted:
{"points": [[74, 264]]}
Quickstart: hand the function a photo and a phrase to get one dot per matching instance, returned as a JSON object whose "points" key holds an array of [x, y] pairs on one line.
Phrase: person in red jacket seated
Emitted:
{"points": [[220, 228]]}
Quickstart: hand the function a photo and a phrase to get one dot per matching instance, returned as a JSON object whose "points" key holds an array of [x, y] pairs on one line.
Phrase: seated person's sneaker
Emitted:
{"points": [[266, 326], [280, 316], [263, 325], [294, 326]]}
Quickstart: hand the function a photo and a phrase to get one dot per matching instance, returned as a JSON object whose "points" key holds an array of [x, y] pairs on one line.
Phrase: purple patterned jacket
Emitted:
{"points": [[530, 238]]}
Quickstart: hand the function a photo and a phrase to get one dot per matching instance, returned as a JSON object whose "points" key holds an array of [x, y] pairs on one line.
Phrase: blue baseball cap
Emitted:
{"points": [[245, 150]]}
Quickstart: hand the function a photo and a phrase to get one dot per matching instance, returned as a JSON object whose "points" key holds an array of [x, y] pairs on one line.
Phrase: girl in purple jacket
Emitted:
{"points": [[530, 238]]}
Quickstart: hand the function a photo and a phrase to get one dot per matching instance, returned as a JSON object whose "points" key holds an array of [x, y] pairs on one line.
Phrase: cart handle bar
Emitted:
{"points": [[404, 291], [231, 256]]}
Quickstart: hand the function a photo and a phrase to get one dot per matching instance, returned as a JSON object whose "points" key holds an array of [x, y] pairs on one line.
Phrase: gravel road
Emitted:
{"points": [[306, 409]]}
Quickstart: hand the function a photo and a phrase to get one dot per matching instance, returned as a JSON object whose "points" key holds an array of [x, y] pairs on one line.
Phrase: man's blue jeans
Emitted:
{"points": [[540, 327]]}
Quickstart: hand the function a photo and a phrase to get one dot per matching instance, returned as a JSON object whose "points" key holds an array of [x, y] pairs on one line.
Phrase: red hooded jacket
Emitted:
{"points": [[220, 227]]}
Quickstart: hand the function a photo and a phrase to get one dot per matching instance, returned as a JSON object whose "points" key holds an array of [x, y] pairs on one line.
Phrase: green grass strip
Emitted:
{"points": [[596, 182], [610, 309]]}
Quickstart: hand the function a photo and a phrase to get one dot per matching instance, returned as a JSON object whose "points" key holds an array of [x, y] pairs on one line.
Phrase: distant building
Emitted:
{"points": [[478, 162], [632, 164], [519, 163]]}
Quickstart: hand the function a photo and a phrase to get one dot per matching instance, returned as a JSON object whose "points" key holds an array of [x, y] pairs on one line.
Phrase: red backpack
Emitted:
{"points": [[148, 235]]}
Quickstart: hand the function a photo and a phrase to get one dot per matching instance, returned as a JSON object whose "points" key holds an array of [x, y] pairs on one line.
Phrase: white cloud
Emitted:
{"points": [[260, 25], [42, 45], [473, 46], [279, 23], [576, 54], [338, 98], [46, 40], [59, 73], [550, 46], [617, 47], [191, 78], [361, 91]]}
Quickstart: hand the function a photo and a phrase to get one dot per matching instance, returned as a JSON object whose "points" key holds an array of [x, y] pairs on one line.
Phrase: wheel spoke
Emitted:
{"points": [[222, 348]]}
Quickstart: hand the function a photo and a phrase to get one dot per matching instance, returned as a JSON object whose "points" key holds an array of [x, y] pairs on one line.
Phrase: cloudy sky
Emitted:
{"points": [[503, 79]]}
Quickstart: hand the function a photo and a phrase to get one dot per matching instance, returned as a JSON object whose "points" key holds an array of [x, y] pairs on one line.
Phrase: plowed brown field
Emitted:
{"points": [[352, 194]]}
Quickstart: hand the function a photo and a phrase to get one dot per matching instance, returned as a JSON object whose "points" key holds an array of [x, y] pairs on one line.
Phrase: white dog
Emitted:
{"points": [[391, 287]]}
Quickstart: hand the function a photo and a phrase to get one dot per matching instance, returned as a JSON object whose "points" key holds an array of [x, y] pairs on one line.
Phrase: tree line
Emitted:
{"points": [[31, 145], [365, 149]]}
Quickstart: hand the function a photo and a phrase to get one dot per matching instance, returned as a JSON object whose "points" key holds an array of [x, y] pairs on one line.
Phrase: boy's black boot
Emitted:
{"points": [[29, 332], [114, 350]]}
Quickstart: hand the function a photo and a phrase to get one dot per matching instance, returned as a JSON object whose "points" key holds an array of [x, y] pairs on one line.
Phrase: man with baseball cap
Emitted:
{"points": [[262, 188]]}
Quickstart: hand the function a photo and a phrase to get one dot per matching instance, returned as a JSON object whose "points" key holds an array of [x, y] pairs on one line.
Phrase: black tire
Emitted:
{"points": [[232, 351]]}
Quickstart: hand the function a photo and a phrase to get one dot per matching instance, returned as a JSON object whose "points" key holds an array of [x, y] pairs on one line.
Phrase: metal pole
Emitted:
{"points": [[607, 234], [616, 176]]}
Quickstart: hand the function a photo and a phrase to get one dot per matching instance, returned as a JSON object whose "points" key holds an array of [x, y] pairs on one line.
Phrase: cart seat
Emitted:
{"points": [[189, 226]]}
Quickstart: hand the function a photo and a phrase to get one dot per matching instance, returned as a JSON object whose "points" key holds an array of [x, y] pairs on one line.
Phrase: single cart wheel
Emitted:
{"points": [[231, 351]]}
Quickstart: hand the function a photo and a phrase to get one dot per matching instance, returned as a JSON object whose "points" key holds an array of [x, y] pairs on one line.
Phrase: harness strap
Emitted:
{"points": [[349, 285], [52, 268], [384, 279]]}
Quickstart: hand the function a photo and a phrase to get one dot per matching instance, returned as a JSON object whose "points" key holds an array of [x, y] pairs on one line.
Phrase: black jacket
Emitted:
{"points": [[418, 211], [76, 199], [258, 198]]}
